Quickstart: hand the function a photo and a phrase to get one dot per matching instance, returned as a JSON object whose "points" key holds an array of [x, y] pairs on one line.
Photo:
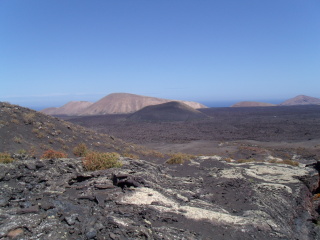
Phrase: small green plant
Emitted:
{"points": [[52, 154], [179, 158], [5, 158], [80, 150], [99, 161]]}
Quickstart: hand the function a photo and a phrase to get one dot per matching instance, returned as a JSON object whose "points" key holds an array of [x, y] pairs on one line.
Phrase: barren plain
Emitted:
{"points": [[240, 133]]}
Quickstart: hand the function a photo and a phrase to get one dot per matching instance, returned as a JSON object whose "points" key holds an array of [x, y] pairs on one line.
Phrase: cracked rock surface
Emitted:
{"points": [[202, 199]]}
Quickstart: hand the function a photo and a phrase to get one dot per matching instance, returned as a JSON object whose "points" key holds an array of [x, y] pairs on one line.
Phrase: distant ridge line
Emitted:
{"points": [[114, 103]]}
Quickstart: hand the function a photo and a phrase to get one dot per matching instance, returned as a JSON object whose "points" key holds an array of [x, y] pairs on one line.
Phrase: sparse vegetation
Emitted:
{"points": [[15, 121], [28, 118], [5, 158], [179, 158], [60, 140], [17, 139], [99, 161], [316, 197], [52, 154], [288, 162], [38, 133], [32, 151], [22, 151], [131, 155], [246, 160], [80, 150]]}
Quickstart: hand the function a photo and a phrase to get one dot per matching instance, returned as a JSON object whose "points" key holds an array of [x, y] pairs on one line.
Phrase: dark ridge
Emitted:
{"points": [[167, 112]]}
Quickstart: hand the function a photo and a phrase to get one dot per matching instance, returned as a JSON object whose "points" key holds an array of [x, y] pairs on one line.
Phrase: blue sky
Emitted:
{"points": [[214, 52]]}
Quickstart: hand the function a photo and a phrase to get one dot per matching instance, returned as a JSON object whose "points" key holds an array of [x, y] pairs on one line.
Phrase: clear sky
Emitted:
{"points": [[211, 51]]}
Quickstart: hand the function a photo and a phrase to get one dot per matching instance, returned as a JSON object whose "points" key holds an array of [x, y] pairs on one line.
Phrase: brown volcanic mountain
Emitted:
{"points": [[252, 104], [170, 111], [301, 100], [127, 103], [71, 108], [115, 103]]}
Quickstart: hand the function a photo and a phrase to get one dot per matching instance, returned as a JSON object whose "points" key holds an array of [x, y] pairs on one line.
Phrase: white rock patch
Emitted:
{"points": [[147, 196], [276, 174]]}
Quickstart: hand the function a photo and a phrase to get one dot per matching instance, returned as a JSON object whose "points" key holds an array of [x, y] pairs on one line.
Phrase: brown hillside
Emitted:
{"points": [[252, 104], [171, 111], [127, 103], [72, 108], [301, 100], [26, 130]]}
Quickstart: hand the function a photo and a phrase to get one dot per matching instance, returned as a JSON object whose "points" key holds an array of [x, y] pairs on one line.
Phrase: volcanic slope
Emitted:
{"points": [[26, 130], [301, 100], [171, 111], [252, 104], [72, 108]]}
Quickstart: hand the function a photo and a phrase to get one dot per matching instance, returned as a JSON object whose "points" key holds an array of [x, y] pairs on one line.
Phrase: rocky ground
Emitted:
{"points": [[205, 198]]}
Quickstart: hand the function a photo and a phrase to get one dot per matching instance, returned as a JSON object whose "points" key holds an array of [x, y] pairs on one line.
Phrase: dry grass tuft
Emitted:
{"points": [[5, 158], [245, 160], [99, 161], [179, 158], [52, 154], [28, 118], [80, 150]]}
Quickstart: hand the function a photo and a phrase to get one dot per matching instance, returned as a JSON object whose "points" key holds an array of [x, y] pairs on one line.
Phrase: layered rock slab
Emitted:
{"points": [[202, 199]]}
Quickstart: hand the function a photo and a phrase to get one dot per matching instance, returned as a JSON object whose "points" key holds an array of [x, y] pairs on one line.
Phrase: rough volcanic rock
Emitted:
{"points": [[203, 199], [171, 111]]}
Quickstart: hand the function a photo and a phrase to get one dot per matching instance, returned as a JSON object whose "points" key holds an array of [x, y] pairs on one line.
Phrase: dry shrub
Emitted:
{"points": [[289, 162], [316, 197], [179, 158], [52, 154], [99, 161], [245, 160], [80, 150], [17, 139], [33, 151], [15, 121], [130, 155], [5, 158], [28, 118]]}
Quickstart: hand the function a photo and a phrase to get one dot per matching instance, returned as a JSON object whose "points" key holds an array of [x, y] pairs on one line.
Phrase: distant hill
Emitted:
{"points": [[70, 109], [170, 111], [252, 104], [301, 100], [115, 103]]}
